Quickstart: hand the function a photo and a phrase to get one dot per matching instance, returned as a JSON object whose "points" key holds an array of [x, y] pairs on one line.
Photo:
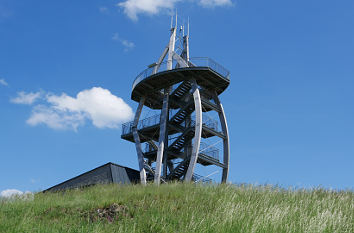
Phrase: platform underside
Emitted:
{"points": [[151, 87]]}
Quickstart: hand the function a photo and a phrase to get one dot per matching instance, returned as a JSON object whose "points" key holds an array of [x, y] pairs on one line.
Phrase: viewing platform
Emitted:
{"points": [[207, 73]]}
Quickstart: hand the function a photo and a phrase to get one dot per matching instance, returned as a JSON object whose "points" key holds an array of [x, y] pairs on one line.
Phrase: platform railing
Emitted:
{"points": [[205, 149], [202, 179], [210, 151], [193, 62], [127, 128]]}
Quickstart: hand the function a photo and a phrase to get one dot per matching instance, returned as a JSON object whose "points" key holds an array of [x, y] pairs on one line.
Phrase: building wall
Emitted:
{"points": [[124, 175]]}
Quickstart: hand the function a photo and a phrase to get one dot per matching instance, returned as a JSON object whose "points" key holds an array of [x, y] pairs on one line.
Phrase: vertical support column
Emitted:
{"points": [[197, 135], [162, 136], [185, 52], [226, 144], [171, 48], [170, 166], [137, 142], [165, 155]]}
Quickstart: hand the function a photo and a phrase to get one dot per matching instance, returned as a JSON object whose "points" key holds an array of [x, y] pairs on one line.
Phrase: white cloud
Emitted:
{"points": [[10, 192], [132, 8], [127, 44], [3, 82], [151, 7], [215, 3], [26, 98], [55, 119], [99, 105]]}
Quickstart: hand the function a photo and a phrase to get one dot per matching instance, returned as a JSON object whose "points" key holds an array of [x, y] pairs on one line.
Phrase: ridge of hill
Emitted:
{"points": [[177, 207]]}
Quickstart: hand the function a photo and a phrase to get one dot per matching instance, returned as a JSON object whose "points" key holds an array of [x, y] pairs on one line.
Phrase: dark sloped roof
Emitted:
{"points": [[107, 173]]}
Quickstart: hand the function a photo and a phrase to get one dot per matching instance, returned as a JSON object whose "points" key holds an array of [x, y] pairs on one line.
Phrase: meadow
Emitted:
{"points": [[178, 207]]}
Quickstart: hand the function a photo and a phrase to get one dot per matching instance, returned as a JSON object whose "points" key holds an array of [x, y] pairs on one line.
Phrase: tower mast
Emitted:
{"points": [[174, 139]]}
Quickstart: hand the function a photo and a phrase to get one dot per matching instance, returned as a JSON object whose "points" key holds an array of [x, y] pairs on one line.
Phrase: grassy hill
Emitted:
{"points": [[181, 208]]}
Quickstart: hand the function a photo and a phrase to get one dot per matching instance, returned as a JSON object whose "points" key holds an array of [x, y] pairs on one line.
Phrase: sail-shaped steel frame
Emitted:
{"points": [[191, 159]]}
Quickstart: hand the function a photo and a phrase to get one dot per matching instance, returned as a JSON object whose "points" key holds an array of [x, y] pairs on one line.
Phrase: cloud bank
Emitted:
{"points": [[63, 112], [132, 8]]}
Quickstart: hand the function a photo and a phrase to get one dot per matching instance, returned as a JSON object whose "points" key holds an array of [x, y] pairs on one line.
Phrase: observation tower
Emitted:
{"points": [[183, 91]]}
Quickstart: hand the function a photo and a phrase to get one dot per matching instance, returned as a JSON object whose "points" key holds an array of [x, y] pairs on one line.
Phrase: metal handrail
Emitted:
{"points": [[149, 121], [203, 179], [209, 151], [205, 149], [127, 128], [193, 62]]}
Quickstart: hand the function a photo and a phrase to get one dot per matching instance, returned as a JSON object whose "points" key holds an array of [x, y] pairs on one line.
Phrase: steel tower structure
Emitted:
{"points": [[182, 88]]}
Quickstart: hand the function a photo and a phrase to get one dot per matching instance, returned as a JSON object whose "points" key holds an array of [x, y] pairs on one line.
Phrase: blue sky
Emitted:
{"points": [[289, 106]]}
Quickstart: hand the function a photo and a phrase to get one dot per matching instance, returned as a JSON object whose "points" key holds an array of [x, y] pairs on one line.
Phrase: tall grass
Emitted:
{"points": [[183, 208]]}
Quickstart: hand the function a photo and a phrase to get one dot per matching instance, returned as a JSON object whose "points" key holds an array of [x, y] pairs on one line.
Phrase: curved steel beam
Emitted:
{"points": [[137, 142], [226, 144], [197, 135]]}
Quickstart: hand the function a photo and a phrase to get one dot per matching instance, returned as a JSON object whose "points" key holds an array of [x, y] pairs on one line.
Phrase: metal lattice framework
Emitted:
{"points": [[182, 88]]}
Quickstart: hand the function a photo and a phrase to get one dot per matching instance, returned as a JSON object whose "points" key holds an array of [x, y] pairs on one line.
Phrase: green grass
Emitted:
{"points": [[182, 208]]}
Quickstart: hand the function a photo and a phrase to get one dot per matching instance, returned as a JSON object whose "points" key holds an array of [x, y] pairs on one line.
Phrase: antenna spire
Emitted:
{"points": [[171, 20]]}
